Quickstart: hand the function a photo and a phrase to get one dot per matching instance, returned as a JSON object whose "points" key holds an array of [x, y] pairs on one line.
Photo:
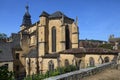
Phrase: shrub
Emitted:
{"points": [[5, 74], [58, 71]]}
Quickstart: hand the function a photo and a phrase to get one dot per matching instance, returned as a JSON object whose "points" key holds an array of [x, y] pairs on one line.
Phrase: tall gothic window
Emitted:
{"points": [[91, 61], [53, 39], [51, 65], [67, 37]]}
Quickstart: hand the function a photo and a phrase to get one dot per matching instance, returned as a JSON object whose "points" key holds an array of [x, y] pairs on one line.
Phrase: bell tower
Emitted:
{"points": [[26, 22]]}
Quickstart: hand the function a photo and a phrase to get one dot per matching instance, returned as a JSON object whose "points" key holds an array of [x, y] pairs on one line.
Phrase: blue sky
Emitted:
{"points": [[97, 18]]}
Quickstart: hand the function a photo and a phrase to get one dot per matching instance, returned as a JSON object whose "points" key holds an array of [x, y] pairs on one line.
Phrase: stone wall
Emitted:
{"points": [[77, 75]]}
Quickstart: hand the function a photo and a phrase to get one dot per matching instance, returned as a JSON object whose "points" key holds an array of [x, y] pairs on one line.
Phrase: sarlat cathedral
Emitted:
{"points": [[51, 42]]}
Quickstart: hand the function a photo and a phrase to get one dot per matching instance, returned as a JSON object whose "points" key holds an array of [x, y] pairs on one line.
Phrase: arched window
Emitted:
{"points": [[53, 39], [67, 37], [51, 65], [66, 62], [91, 61], [106, 59]]}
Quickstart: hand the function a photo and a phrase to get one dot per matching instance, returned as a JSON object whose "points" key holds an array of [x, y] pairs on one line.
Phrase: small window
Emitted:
{"points": [[91, 62], [51, 65], [17, 55], [106, 59], [66, 62]]}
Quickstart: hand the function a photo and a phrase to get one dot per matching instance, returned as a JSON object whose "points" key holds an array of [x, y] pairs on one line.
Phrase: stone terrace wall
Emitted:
{"points": [[77, 75]]}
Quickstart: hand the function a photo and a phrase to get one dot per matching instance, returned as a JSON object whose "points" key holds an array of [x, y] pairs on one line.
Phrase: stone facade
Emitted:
{"points": [[51, 37], [57, 28], [51, 42]]}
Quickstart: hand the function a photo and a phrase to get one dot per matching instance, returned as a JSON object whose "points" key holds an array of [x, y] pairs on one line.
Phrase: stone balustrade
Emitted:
{"points": [[79, 74]]}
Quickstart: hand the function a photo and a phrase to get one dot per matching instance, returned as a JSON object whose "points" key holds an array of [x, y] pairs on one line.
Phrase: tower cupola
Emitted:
{"points": [[26, 18]]}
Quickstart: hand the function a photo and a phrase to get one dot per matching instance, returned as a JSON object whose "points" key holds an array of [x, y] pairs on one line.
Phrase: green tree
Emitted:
{"points": [[3, 36], [106, 46]]}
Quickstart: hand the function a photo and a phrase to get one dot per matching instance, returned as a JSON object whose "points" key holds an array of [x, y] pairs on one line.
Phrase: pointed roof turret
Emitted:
{"points": [[26, 18]]}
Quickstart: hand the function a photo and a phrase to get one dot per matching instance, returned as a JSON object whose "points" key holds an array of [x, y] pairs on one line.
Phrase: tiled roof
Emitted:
{"points": [[6, 52], [89, 51]]}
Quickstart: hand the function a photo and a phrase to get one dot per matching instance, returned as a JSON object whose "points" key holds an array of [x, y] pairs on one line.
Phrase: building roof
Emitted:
{"points": [[26, 18], [6, 52], [51, 55], [15, 41], [57, 14], [45, 14], [89, 51], [32, 53]]}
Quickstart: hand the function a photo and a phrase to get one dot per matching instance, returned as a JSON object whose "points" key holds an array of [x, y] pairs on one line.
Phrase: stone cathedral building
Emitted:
{"points": [[42, 41], [51, 42]]}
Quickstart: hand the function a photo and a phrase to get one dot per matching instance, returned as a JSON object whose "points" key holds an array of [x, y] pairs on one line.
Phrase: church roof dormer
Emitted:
{"points": [[26, 18]]}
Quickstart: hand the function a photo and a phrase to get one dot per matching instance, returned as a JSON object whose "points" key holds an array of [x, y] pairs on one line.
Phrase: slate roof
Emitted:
{"points": [[6, 52], [54, 55], [26, 18], [45, 14], [16, 41], [32, 53], [89, 51], [57, 14]]}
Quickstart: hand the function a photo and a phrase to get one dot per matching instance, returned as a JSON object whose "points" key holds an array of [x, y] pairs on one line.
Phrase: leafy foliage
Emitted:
{"points": [[5, 74], [58, 71], [106, 46]]}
